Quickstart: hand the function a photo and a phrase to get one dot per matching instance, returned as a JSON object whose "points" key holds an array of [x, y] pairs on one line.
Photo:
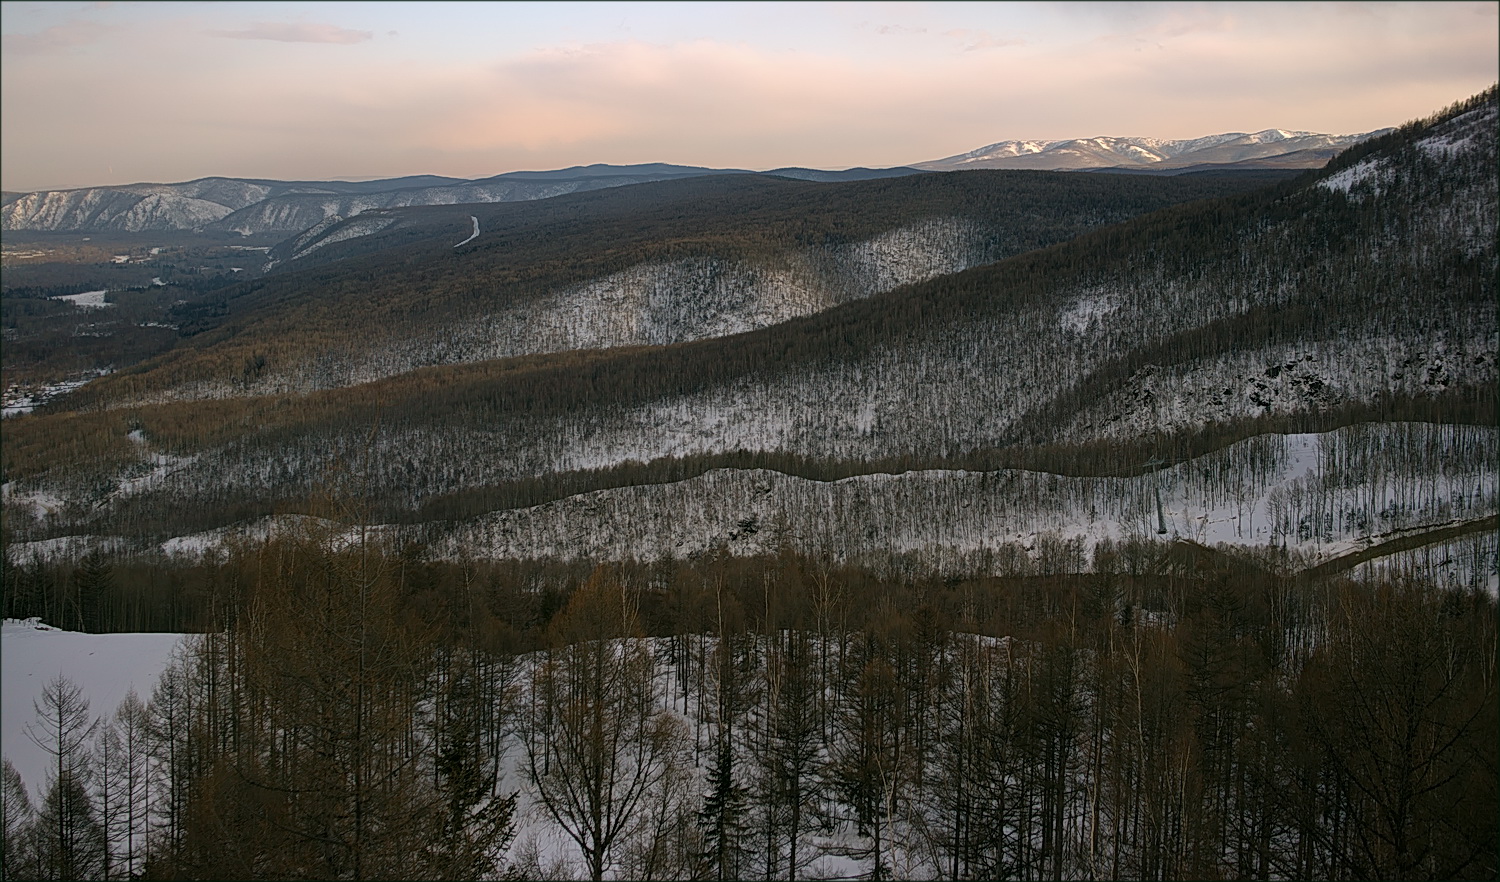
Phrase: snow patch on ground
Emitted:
{"points": [[1370, 172], [1319, 494], [314, 239], [1089, 309], [1463, 133], [107, 666], [1284, 379], [20, 400], [40, 503], [1467, 563]]}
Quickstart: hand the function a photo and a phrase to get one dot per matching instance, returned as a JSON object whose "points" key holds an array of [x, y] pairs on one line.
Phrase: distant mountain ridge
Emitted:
{"points": [[1304, 149], [253, 206], [250, 206]]}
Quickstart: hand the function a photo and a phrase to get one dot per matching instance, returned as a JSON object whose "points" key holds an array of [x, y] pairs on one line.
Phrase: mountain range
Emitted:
{"points": [[941, 365], [1271, 148], [252, 207]]}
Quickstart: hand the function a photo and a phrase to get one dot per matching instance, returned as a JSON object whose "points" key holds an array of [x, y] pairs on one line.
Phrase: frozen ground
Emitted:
{"points": [[86, 300], [105, 667]]}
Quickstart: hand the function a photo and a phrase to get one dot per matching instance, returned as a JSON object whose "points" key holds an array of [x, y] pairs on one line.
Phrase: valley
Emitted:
{"points": [[674, 522], [1214, 318]]}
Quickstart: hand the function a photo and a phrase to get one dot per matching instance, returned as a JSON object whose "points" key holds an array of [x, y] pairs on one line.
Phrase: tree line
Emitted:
{"points": [[353, 713]]}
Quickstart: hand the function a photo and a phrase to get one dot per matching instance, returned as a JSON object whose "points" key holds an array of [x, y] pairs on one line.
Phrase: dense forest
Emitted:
{"points": [[351, 713], [328, 319]]}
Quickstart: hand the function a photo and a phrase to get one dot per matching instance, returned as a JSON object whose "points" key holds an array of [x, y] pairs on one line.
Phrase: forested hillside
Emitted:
{"points": [[388, 292], [1362, 293]]}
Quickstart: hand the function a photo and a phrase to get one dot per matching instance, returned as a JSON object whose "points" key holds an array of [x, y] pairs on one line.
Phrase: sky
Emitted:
{"points": [[95, 94]]}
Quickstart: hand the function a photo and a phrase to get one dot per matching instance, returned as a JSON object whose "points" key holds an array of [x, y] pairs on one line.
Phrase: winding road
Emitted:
{"points": [[472, 236]]}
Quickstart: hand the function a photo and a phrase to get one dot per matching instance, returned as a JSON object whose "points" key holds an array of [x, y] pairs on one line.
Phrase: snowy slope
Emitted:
{"points": [[652, 303], [1321, 495], [1301, 494], [1116, 152], [104, 666]]}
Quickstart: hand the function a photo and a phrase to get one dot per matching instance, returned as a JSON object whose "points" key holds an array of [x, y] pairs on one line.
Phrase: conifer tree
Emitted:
{"points": [[788, 746], [597, 737], [18, 820], [70, 841], [724, 818], [92, 582]]}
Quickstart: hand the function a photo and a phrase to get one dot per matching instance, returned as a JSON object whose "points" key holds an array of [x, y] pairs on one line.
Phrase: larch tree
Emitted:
{"points": [[788, 746], [597, 736], [70, 840], [18, 820]]}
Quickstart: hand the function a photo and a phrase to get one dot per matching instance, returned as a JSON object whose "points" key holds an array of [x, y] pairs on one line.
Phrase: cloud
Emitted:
{"points": [[297, 32], [974, 40], [55, 38], [885, 100]]}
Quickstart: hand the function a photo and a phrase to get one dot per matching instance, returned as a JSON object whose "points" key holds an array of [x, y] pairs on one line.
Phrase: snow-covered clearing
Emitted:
{"points": [[86, 300], [104, 666]]}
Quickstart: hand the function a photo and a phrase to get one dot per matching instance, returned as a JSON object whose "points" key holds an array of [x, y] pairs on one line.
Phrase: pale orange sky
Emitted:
{"points": [[110, 93]]}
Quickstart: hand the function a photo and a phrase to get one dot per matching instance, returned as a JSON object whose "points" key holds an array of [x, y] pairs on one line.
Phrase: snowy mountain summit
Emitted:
{"points": [[1273, 147]]}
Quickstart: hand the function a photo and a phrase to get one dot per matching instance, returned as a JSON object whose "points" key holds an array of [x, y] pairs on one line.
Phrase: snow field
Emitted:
{"points": [[105, 666], [86, 300]]}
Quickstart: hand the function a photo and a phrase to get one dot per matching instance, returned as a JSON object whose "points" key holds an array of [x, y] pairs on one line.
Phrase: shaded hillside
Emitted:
{"points": [[641, 265], [254, 207]]}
